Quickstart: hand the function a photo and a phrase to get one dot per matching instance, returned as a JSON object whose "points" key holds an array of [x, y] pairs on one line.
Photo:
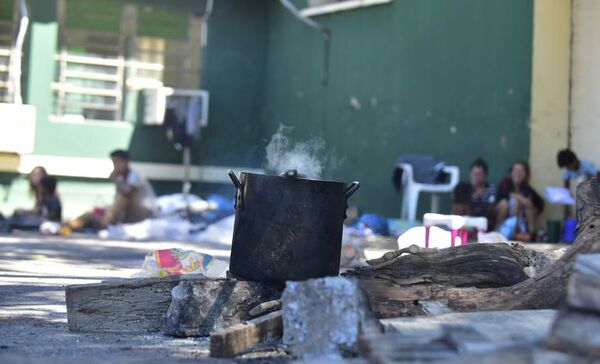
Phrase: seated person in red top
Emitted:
{"points": [[517, 198]]}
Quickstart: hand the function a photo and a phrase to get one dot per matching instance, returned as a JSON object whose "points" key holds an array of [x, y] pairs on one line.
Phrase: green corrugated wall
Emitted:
{"points": [[451, 78]]}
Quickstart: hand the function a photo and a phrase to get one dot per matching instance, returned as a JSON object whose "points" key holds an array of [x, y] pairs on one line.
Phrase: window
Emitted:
{"points": [[7, 33], [110, 51]]}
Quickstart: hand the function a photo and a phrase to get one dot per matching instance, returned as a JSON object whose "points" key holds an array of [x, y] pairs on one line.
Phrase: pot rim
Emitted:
{"points": [[295, 178]]}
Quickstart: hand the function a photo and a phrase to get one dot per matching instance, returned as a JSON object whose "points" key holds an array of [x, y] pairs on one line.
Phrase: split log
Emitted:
{"points": [[265, 307], [138, 305], [545, 290], [129, 305], [234, 340]]}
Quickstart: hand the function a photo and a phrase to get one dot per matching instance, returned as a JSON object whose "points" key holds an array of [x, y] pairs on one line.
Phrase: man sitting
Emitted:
{"points": [[134, 199]]}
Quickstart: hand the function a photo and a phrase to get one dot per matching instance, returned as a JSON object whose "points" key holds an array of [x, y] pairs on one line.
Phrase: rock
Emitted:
{"points": [[577, 327], [199, 307], [577, 332], [323, 318], [583, 291]]}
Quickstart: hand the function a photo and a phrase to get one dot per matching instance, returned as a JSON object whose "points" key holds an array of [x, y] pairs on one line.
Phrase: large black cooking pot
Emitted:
{"points": [[287, 227]]}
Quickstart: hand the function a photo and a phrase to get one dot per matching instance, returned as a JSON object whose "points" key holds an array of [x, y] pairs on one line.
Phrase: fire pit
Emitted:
{"points": [[287, 227]]}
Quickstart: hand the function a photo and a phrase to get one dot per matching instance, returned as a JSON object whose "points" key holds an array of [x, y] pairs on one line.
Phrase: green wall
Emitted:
{"points": [[234, 74], [451, 78]]}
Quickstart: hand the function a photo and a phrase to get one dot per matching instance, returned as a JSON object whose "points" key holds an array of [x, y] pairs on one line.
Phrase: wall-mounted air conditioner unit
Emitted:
{"points": [[157, 100]]}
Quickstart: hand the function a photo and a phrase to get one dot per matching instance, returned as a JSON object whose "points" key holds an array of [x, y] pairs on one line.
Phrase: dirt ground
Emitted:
{"points": [[33, 321]]}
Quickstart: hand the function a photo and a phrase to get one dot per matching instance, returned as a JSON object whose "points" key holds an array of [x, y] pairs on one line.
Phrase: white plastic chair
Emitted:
{"points": [[412, 189]]}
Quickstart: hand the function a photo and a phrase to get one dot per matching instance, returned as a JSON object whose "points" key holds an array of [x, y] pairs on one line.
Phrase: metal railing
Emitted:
{"points": [[5, 54], [95, 87]]}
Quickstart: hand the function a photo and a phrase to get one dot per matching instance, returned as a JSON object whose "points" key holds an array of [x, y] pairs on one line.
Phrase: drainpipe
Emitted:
{"points": [[326, 37], [14, 70], [570, 95], [205, 17]]}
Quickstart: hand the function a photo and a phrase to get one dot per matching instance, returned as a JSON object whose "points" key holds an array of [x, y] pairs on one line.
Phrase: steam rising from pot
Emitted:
{"points": [[309, 157]]}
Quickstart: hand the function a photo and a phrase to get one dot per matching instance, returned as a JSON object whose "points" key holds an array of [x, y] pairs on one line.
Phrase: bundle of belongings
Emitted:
{"points": [[182, 218], [175, 262]]}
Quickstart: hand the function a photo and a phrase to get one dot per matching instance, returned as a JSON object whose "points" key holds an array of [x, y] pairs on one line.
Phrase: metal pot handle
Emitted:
{"points": [[352, 188], [234, 179], [239, 189]]}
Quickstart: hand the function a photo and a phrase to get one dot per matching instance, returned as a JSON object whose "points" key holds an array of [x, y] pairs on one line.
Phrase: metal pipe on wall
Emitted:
{"points": [[14, 73], [326, 37]]}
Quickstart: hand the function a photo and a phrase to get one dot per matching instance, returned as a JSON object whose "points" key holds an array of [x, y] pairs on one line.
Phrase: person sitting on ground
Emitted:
{"points": [[519, 201], [476, 197], [50, 206], [575, 169], [35, 178], [134, 199]]}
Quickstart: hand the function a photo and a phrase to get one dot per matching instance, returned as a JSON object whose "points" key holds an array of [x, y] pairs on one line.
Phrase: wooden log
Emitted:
{"points": [[475, 265], [548, 289], [265, 307], [387, 299], [134, 305], [232, 341], [130, 305]]}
